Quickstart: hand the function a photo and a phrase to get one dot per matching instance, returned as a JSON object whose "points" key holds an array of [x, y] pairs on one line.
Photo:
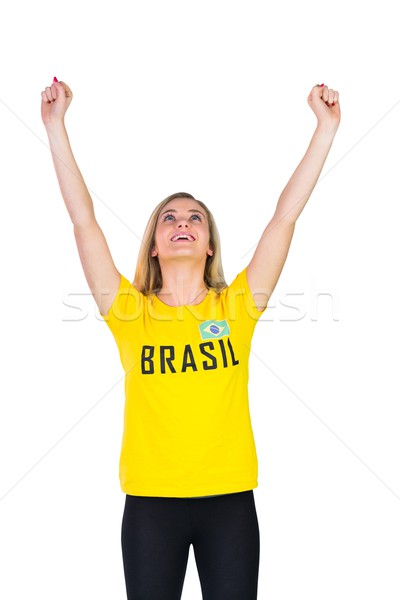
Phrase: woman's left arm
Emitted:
{"points": [[265, 267]]}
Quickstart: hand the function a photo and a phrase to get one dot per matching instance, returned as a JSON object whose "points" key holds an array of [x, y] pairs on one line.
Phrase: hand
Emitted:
{"points": [[55, 102], [324, 103]]}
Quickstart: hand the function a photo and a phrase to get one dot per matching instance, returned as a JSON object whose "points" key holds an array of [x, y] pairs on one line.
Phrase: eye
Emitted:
{"points": [[167, 216], [197, 216]]}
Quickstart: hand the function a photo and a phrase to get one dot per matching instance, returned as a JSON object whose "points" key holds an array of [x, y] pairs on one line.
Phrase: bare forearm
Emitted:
{"points": [[73, 188], [301, 184]]}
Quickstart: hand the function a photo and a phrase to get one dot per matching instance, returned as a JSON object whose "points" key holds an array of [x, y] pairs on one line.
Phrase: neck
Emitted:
{"points": [[182, 284]]}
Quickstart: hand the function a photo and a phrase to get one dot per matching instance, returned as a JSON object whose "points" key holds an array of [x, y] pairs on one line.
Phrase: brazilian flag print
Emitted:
{"points": [[213, 329]]}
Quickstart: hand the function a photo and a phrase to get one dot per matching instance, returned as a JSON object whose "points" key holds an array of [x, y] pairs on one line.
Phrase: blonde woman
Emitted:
{"points": [[188, 462]]}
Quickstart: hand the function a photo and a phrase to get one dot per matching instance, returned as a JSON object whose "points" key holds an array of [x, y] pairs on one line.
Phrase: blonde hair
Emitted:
{"points": [[148, 276]]}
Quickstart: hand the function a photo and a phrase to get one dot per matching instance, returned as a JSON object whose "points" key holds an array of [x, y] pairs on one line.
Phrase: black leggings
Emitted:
{"points": [[157, 533]]}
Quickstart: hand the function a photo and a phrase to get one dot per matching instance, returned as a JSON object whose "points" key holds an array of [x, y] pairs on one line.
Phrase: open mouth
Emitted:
{"points": [[183, 237]]}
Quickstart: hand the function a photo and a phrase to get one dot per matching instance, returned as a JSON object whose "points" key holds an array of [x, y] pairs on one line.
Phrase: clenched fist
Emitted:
{"points": [[55, 102], [324, 102]]}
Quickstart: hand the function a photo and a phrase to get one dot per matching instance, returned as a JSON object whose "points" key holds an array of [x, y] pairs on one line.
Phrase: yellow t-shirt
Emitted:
{"points": [[187, 427]]}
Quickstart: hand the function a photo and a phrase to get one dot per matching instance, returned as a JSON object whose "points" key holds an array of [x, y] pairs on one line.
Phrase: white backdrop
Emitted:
{"points": [[207, 98]]}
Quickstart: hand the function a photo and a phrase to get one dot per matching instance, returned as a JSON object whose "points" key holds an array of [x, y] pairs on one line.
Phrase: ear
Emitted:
{"points": [[210, 251], [154, 252]]}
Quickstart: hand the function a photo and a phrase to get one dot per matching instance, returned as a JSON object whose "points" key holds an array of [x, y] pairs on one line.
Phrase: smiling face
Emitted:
{"points": [[182, 230]]}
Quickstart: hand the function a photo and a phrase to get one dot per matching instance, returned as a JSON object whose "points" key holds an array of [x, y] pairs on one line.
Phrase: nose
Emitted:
{"points": [[183, 223]]}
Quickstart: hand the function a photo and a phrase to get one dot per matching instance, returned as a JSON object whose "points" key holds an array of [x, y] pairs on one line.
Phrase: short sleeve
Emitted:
{"points": [[240, 300], [126, 306]]}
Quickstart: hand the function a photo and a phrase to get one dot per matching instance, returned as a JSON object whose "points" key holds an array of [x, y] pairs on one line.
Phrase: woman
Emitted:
{"points": [[188, 463]]}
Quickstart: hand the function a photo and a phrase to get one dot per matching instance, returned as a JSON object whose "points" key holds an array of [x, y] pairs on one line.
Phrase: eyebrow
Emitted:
{"points": [[191, 210]]}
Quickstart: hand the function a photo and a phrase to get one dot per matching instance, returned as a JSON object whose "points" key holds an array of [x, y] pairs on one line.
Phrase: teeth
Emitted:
{"points": [[181, 237]]}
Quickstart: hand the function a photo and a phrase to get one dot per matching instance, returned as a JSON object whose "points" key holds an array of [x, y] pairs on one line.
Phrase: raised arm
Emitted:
{"points": [[268, 260], [101, 274]]}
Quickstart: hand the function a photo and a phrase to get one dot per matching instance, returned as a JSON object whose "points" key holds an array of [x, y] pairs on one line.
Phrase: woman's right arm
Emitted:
{"points": [[102, 276]]}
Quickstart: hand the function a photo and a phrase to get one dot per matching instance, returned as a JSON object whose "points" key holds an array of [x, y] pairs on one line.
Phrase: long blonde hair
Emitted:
{"points": [[148, 276]]}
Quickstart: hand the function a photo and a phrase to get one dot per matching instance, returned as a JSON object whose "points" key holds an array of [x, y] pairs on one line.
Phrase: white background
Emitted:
{"points": [[208, 98]]}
